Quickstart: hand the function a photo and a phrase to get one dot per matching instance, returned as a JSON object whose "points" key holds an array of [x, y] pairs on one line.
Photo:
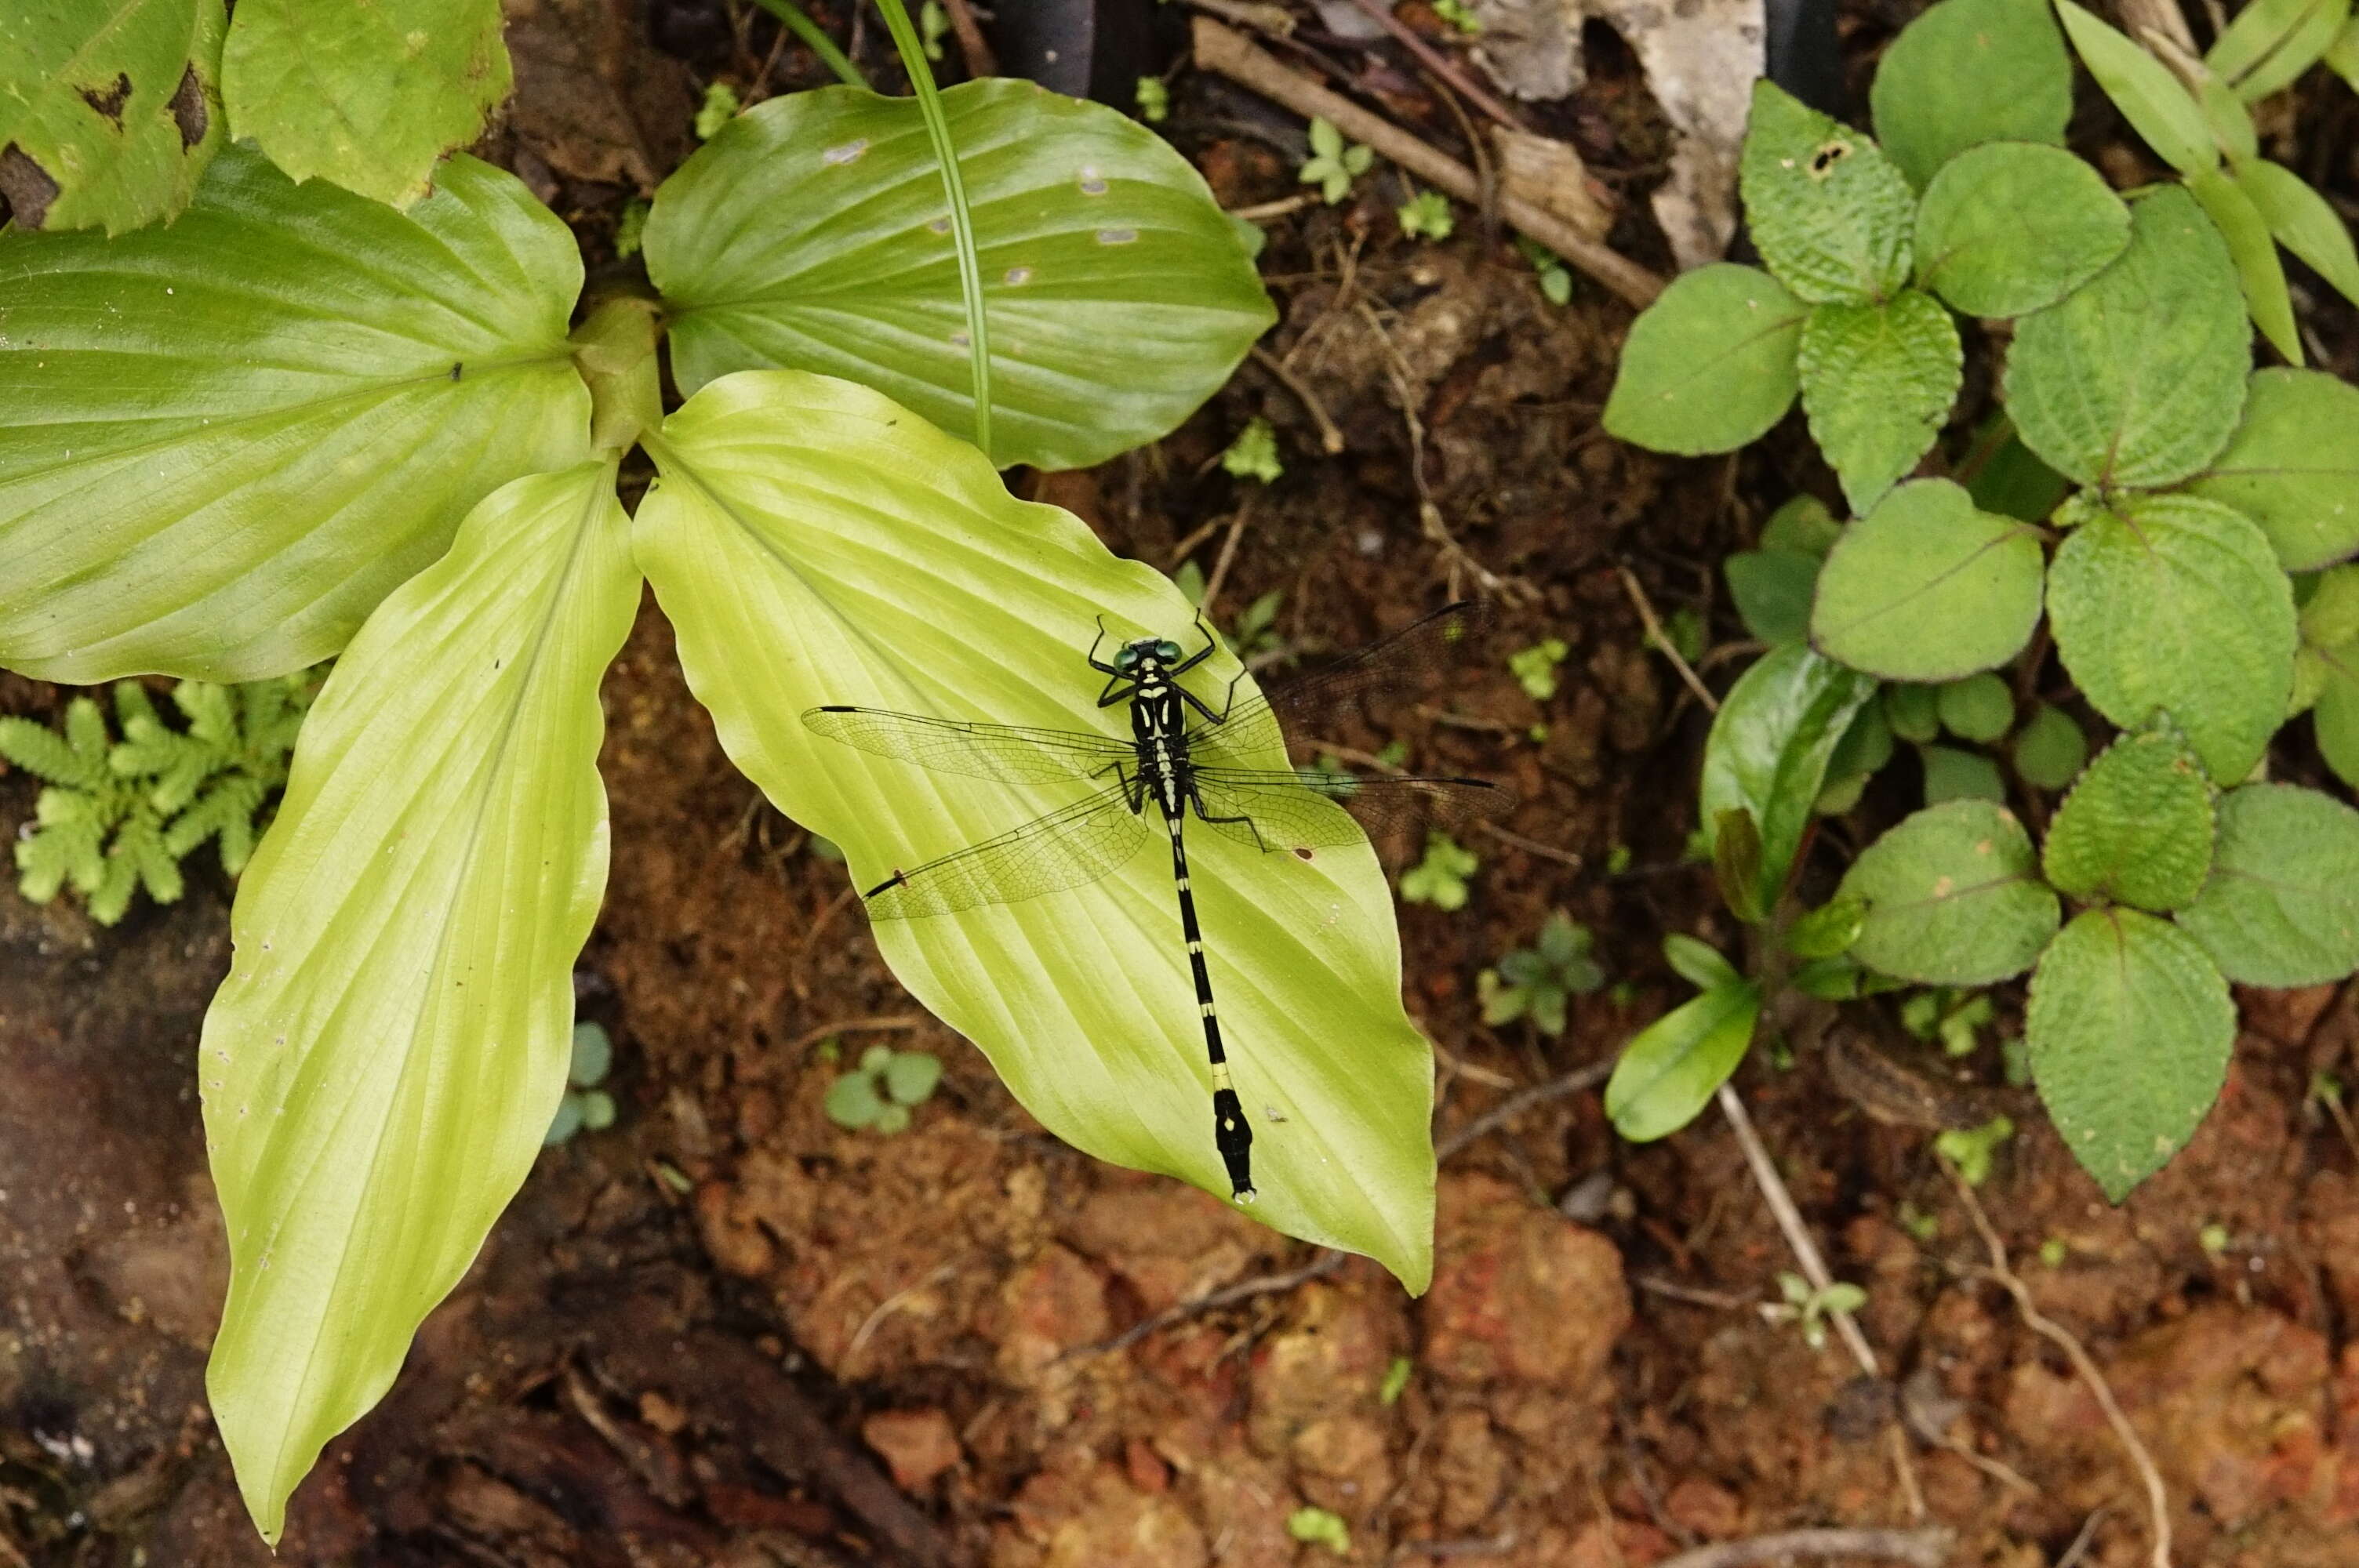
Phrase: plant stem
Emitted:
{"points": [[796, 20], [937, 127]]}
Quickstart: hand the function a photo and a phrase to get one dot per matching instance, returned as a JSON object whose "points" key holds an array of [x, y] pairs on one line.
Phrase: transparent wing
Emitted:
{"points": [[1063, 849], [1314, 706], [1314, 809], [1008, 752]]}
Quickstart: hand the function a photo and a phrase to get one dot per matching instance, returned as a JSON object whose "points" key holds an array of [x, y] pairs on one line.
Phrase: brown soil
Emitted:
{"points": [[728, 1332]]}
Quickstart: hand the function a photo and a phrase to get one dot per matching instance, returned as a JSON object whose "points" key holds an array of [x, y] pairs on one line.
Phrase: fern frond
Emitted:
{"points": [[86, 731], [108, 895], [210, 712], [39, 752], [141, 843]]}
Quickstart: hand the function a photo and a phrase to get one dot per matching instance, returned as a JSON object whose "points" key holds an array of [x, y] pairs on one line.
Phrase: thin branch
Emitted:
{"points": [[886, 1020], [1261, 212], [2158, 1501], [1515, 1105], [1919, 1548], [1228, 553], [1331, 439], [1227, 52], [980, 60], [1326, 1263], [1435, 61], [1662, 642]]}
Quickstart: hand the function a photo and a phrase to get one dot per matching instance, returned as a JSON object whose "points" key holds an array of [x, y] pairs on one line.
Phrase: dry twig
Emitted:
{"points": [[1662, 641], [1919, 1548], [980, 60], [1435, 61], [1331, 439], [1515, 1105], [1326, 1263]]}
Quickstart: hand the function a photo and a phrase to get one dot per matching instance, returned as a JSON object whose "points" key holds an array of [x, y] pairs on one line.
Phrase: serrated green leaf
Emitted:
{"points": [[368, 96], [1772, 589], [2292, 466], [393, 1038], [2273, 41], [1768, 750], [2259, 273], [1979, 707], [2303, 221], [2007, 228], [811, 233], [2051, 750], [2281, 907], [297, 447], [1954, 774], [1830, 212], [1709, 366], [1927, 588], [1674, 1067], [2130, 1028], [2137, 378], [1877, 380], [2137, 829], [1969, 71], [2141, 87], [108, 112], [1954, 897], [2175, 604], [813, 543]]}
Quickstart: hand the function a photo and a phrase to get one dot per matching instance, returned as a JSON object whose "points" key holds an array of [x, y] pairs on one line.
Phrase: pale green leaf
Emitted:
{"points": [[2343, 54], [2336, 712], [1709, 366], [2130, 1028], [108, 111], [2273, 41], [2051, 749], [2230, 123], [811, 233], [1878, 382], [1927, 588], [1769, 748], [229, 438], [1954, 897], [813, 543], [2012, 227], [1979, 707], [2152, 100], [2175, 604], [368, 95], [1969, 71], [1954, 774], [2258, 272], [2293, 467], [1699, 963], [2137, 378], [1830, 212], [2303, 221], [2137, 829], [2282, 904], [393, 1038], [1673, 1067]]}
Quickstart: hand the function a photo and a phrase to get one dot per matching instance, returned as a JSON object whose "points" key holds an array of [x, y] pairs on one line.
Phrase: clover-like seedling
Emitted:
{"points": [[586, 1107], [1459, 14], [720, 106], [1426, 215], [1535, 667], [1811, 1308], [879, 1094], [1970, 1147], [1333, 164], [1556, 280], [1955, 1017], [1254, 454], [1153, 99], [1440, 879], [1536, 982], [1318, 1527]]}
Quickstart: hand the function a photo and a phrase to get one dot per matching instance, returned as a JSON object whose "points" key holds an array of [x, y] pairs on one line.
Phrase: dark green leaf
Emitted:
{"points": [[1979, 707], [2282, 904], [1952, 774], [1830, 212], [1772, 589], [1768, 750], [1736, 864], [1709, 366], [2051, 750], [2012, 227], [1968, 72], [1954, 897], [2007, 477], [2137, 829], [2130, 1028], [1914, 711], [1668, 1074], [1877, 380], [1926, 588]]}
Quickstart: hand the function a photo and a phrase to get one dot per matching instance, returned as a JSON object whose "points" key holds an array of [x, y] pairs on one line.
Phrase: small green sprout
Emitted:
{"points": [[1556, 283], [720, 107], [1684, 629], [933, 25], [1920, 1225], [1153, 99], [1459, 14], [1333, 164], [1254, 454], [2053, 1252], [1535, 982], [1970, 1149], [1393, 753], [1396, 1383], [1956, 1017], [2213, 1240], [675, 1178], [1535, 667], [1811, 1308], [1316, 1527], [119, 815], [1440, 879], [1256, 628], [630, 229], [586, 1107], [2325, 1087], [879, 1094], [1426, 215], [1618, 859]]}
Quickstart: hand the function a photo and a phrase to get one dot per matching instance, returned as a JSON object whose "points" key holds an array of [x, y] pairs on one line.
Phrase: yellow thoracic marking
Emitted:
{"points": [[1221, 1075], [1208, 1010], [1183, 884], [1195, 947]]}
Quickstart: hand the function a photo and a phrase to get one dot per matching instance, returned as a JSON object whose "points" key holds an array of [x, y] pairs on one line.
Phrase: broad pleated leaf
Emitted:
{"points": [[230, 438], [2011, 227], [2137, 378], [814, 543], [2282, 904], [1878, 382], [108, 112], [1954, 897], [1707, 367], [1969, 71], [1830, 212], [2136, 829], [1927, 587], [2293, 467], [392, 1040], [2130, 1028], [1770, 745], [811, 233], [367, 95]]}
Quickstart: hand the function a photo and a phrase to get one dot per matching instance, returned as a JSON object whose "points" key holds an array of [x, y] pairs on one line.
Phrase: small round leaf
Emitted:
{"points": [[1979, 707], [1954, 897], [2281, 907], [2051, 750], [2136, 829], [2012, 227], [1927, 588], [2293, 467], [851, 1100], [912, 1075], [1710, 366], [1968, 72]]}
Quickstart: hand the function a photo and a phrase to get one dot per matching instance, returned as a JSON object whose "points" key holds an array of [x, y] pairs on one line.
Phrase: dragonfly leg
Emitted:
{"points": [[1201, 655], [1091, 655], [1202, 816]]}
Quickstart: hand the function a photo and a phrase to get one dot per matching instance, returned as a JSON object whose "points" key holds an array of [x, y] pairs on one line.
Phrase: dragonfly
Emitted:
{"points": [[1187, 759]]}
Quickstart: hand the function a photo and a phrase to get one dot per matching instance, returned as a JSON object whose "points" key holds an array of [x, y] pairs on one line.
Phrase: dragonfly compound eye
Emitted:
{"points": [[1125, 658], [1167, 651]]}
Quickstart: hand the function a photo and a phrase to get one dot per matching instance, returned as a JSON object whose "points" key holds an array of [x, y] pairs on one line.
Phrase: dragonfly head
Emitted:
{"points": [[1146, 654]]}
